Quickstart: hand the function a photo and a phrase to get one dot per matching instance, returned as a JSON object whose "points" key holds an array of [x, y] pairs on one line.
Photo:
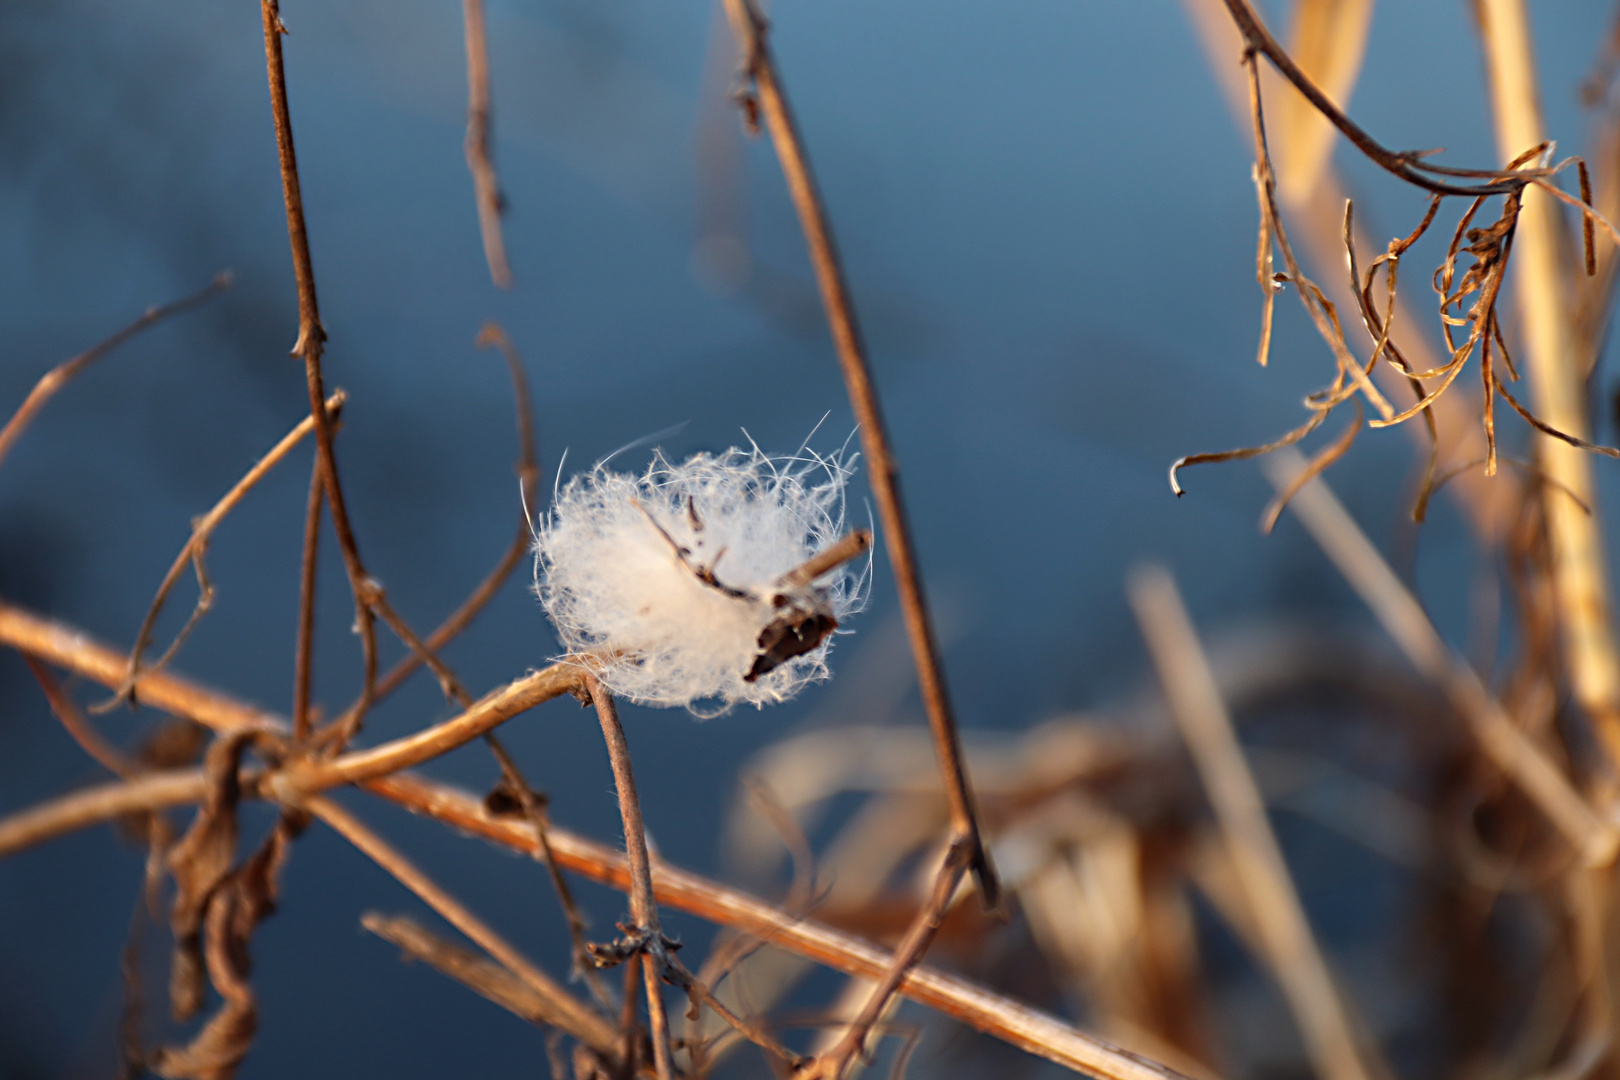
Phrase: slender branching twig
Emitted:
{"points": [[563, 1009], [528, 470], [90, 740], [63, 373], [486, 185], [759, 68], [308, 347], [202, 531], [842, 1055], [646, 944]]}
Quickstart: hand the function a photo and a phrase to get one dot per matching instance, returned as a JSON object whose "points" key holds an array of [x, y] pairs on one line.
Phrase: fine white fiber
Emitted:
{"points": [[675, 579]]}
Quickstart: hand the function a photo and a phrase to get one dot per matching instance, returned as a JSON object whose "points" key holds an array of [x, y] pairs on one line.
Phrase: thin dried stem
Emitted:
{"points": [[562, 1009], [1317, 465], [535, 813], [78, 725], [836, 1062], [528, 470], [1408, 165], [202, 531], [492, 711], [1509, 748], [22, 829], [1323, 1016], [486, 186], [311, 340], [63, 373], [759, 67], [481, 976], [1014, 1022], [834, 555], [304, 657], [377, 600], [649, 944]]}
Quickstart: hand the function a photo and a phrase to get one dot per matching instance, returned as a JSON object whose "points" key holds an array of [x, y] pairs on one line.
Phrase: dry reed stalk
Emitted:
{"points": [[563, 1009], [484, 977], [63, 373], [1323, 1015], [750, 29], [308, 347], [1544, 281], [486, 186], [1510, 749]]}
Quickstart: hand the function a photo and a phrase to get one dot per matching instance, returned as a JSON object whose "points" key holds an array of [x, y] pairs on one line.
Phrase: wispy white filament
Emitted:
{"points": [[613, 581]]}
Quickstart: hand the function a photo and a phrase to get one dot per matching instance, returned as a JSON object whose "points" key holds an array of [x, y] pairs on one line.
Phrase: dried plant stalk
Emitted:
{"points": [[308, 347], [1014, 1022], [563, 1010], [646, 946], [486, 186], [1512, 751], [1543, 282], [63, 373], [1324, 1017], [749, 26]]}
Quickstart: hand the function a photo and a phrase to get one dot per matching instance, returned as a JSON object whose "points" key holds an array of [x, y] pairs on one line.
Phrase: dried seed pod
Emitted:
{"points": [[692, 575]]}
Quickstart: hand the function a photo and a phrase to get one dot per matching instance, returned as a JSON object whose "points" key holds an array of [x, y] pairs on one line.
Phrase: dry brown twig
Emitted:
{"points": [[486, 186], [759, 69], [196, 547], [563, 1010], [308, 347], [528, 471], [836, 1062], [644, 943], [60, 375], [377, 771]]}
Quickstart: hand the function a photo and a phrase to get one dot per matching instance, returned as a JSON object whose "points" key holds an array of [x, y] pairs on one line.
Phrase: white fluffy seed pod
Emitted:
{"points": [[682, 577]]}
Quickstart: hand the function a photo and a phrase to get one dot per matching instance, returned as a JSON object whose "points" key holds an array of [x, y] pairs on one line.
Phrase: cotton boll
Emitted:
{"points": [[676, 574]]}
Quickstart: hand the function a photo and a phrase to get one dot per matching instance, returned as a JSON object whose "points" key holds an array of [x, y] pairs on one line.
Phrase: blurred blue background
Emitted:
{"points": [[1046, 218]]}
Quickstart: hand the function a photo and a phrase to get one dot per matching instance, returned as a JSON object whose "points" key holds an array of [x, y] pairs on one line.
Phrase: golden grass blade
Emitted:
{"points": [[1285, 936], [1329, 41], [1556, 380]]}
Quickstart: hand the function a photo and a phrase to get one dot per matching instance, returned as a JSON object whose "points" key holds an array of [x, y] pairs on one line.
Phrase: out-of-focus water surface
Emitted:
{"points": [[1047, 221]]}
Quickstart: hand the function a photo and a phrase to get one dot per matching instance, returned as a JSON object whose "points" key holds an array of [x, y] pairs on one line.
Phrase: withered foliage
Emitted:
{"points": [[1468, 301]]}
